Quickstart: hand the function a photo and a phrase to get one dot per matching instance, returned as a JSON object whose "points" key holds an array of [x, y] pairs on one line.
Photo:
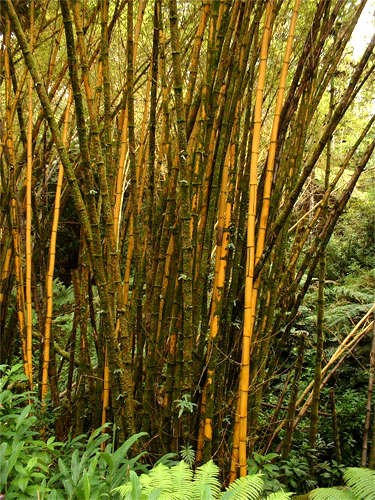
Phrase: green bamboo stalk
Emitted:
{"points": [[185, 190]]}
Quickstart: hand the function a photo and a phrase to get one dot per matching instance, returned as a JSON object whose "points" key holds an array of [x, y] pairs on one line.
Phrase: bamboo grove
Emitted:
{"points": [[171, 148]]}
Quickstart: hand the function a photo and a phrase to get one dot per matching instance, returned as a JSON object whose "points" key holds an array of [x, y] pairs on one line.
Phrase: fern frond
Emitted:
{"points": [[159, 477], [145, 480], [206, 475], [181, 476], [123, 490], [154, 495], [188, 454], [244, 488], [332, 494], [279, 495], [361, 481]]}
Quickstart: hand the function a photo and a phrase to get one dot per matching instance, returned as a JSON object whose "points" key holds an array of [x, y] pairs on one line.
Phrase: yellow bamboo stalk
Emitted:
{"points": [[193, 68], [121, 175], [201, 432], [5, 269], [222, 240], [128, 261], [105, 394], [51, 263], [19, 280], [275, 129], [235, 445], [29, 165], [250, 260], [13, 206], [141, 11], [271, 157]]}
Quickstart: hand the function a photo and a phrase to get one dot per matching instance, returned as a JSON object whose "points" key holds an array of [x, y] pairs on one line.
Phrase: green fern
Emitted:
{"points": [[206, 475], [181, 478], [361, 482], [360, 486], [178, 482], [159, 478], [188, 454], [244, 488], [279, 495]]}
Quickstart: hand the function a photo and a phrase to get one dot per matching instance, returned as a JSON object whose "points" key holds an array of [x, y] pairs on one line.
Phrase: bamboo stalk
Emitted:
{"points": [[335, 426], [250, 261], [14, 216], [368, 402], [29, 319], [51, 263], [105, 394], [185, 189]]}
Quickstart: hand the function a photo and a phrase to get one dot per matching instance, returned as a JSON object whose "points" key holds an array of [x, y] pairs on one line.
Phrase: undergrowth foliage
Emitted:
{"points": [[74, 470], [360, 485], [179, 482], [78, 469]]}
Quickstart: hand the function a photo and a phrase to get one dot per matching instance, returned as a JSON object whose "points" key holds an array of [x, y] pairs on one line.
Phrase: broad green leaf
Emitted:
{"points": [[122, 451], [107, 459], [75, 467], [68, 486], [136, 486], [63, 468], [86, 486], [4, 465], [23, 415], [21, 482], [32, 463]]}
